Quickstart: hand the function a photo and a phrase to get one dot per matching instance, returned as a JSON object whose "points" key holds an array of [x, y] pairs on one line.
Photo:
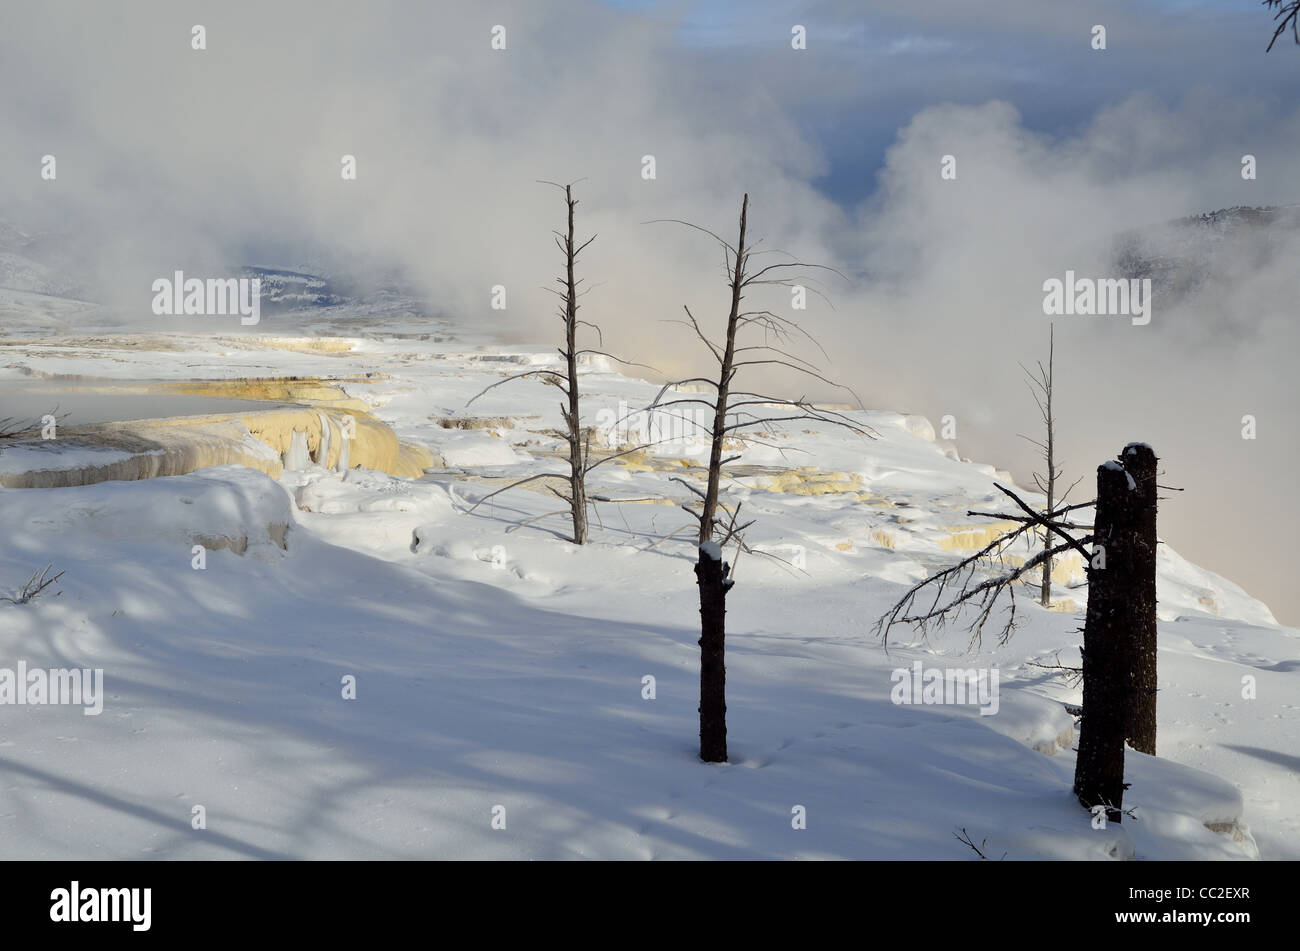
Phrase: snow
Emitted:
{"points": [[1112, 466], [42, 458], [498, 665], [920, 427], [474, 448], [219, 506]]}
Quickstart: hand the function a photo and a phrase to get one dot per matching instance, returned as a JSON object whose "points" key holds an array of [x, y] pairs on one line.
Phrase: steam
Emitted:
{"points": [[962, 302], [172, 159]]}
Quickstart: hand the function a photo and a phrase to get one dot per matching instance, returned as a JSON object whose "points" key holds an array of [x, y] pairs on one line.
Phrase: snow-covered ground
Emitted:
{"points": [[501, 671]]}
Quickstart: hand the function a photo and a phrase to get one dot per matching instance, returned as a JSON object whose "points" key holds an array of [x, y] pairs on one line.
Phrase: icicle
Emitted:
{"points": [[323, 451], [297, 457], [342, 466]]}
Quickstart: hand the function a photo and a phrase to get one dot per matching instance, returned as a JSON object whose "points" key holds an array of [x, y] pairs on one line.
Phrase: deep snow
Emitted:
{"points": [[498, 667]]}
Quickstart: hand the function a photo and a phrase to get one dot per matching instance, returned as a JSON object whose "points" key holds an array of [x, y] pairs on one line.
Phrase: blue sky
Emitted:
{"points": [[882, 62]]}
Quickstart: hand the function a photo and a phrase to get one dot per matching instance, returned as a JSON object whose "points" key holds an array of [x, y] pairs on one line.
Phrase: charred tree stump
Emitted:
{"points": [[1140, 462], [1108, 671], [712, 574]]}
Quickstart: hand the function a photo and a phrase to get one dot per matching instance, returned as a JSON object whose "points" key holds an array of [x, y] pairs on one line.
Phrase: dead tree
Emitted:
{"points": [[1109, 643], [574, 434], [713, 577], [1287, 15], [1119, 631], [736, 416], [578, 447], [1140, 463], [1040, 387]]}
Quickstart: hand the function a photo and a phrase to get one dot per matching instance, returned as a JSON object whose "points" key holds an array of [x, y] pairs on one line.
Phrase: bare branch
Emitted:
{"points": [[987, 593], [629, 363], [678, 221], [535, 518], [531, 478], [964, 837], [517, 376], [1052, 526], [693, 489], [772, 267], [34, 586], [1288, 12]]}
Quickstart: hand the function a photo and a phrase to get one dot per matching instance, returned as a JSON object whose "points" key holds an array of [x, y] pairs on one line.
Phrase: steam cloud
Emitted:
{"points": [[171, 159]]}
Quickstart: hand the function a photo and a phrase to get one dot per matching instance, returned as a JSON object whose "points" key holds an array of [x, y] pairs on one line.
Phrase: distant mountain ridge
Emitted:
{"points": [[31, 263], [37, 263], [1182, 256], [287, 290]]}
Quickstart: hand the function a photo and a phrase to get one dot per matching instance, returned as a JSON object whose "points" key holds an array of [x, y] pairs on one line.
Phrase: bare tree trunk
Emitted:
{"points": [[578, 438], [577, 463], [1042, 385], [725, 374], [1108, 675], [712, 575], [1140, 462], [712, 572], [1046, 592]]}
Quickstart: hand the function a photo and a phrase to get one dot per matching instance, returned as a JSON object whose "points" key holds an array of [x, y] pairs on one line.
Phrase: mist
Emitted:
{"points": [[962, 299], [175, 159]]}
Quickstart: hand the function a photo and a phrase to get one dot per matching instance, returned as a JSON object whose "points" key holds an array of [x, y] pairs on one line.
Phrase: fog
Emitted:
{"points": [[171, 159]]}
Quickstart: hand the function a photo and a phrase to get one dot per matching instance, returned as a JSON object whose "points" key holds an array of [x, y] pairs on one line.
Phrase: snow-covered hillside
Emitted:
{"points": [[502, 666], [1187, 256]]}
